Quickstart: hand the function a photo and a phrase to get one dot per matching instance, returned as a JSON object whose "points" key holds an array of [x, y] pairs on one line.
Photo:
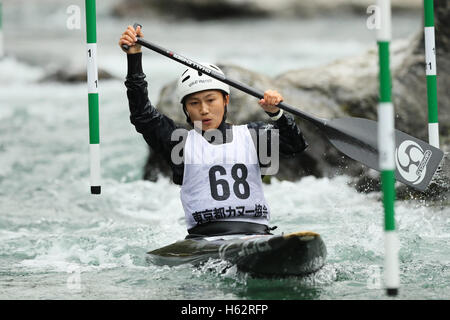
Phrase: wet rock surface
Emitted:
{"points": [[219, 9], [347, 87]]}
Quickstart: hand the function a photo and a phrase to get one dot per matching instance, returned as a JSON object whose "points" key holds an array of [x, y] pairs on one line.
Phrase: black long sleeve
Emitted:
{"points": [[155, 127]]}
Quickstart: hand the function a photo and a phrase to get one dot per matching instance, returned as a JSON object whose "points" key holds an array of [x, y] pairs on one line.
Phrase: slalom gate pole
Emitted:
{"points": [[386, 141], [430, 60], [2, 52], [92, 82]]}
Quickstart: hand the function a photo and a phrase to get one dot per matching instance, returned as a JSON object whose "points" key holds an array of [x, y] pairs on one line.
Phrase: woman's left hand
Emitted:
{"points": [[271, 99]]}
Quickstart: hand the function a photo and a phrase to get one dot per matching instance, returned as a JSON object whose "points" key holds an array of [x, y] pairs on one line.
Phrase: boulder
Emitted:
{"points": [[73, 75], [218, 9]]}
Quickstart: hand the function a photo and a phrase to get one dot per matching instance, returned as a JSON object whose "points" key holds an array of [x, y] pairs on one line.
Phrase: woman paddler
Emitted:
{"points": [[218, 165]]}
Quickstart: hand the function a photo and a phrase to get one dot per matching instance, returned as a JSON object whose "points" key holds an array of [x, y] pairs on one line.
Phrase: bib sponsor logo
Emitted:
{"points": [[411, 161]]}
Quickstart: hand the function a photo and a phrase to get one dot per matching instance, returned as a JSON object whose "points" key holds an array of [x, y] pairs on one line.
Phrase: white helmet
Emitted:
{"points": [[192, 81]]}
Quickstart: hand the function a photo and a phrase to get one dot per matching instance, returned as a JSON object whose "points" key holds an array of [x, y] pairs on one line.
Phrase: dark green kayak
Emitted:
{"points": [[297, 254]]}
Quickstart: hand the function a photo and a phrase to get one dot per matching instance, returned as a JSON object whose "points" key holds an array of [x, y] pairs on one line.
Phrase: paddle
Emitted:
{"points": [[416, 160]]}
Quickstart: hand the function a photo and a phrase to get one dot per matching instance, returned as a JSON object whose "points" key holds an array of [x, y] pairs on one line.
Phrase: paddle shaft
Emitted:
{"points": [[235, 84]]}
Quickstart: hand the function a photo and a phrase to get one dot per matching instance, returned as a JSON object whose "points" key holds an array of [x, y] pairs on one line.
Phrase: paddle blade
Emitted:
{"points": [[416, 161]]}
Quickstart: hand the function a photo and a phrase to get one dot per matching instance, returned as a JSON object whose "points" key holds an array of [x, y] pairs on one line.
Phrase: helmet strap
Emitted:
{"points": [[225, 113]]}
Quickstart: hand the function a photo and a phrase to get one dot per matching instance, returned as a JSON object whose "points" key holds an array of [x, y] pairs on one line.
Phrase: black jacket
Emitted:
{"points": [[157, 128]]}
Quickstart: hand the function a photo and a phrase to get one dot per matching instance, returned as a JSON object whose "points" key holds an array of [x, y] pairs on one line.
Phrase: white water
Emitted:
{"points": [[57, 241]]}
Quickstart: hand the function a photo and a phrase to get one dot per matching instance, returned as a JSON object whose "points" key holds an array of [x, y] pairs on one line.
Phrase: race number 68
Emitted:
{"points": [[239, 174]]}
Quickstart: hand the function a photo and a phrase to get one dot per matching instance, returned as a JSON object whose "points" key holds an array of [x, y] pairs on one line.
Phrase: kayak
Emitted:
{"points": [[293, 254]]}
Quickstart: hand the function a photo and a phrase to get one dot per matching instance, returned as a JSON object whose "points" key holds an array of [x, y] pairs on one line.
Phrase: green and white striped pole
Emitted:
{"points": [[92, 82], [386, 145], [430, 60], [2, 52]]}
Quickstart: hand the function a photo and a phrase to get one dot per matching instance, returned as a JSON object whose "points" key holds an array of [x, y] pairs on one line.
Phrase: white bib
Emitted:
{"points": [[222, 182]]}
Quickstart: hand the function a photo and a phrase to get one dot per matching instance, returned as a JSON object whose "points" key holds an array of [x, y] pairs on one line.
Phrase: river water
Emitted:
{"points": [[57, 241]]}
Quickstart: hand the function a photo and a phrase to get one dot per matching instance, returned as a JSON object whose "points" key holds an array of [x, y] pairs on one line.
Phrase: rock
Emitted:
{"points": [[410, 100], [320, 160], [336, 90], [156, 166], [217, 9], [356, 93], [74, 75]]}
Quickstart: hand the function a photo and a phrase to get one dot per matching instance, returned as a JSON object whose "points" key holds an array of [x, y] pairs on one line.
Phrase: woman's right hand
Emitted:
{"points": [[129, 38]]}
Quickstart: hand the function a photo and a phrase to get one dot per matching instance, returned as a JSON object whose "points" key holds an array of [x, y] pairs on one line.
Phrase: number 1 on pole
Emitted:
{"points": [[92, 82], [431, 74]]}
